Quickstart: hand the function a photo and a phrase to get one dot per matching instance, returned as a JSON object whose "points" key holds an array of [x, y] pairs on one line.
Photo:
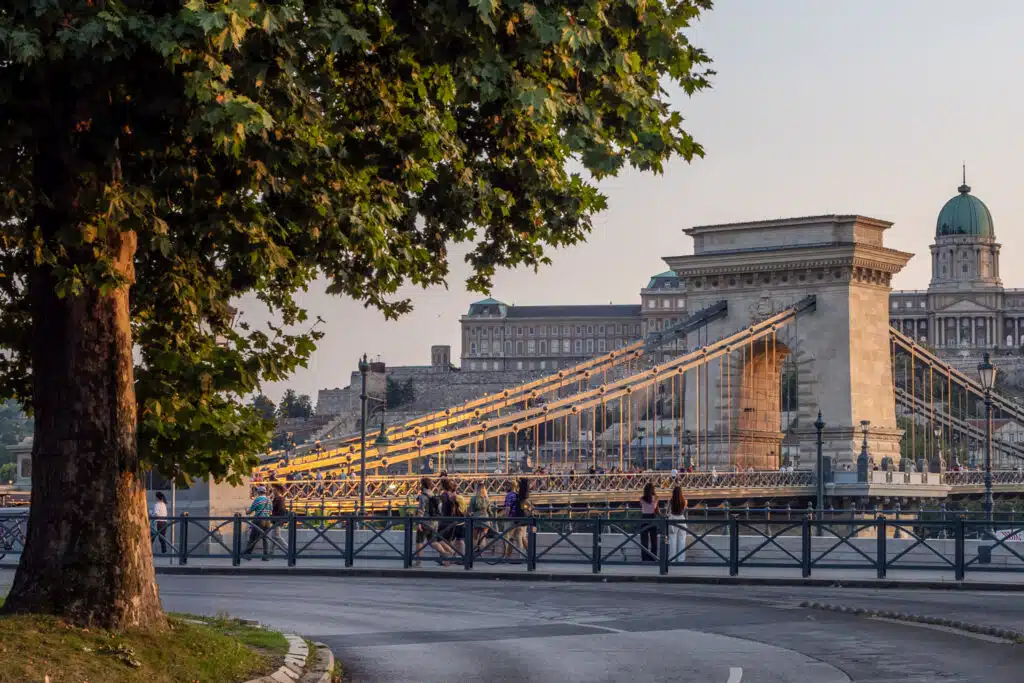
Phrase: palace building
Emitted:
{"points": [[965, 309]]}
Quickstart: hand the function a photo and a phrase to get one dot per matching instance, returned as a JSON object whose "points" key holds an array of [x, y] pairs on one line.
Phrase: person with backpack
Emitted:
{"points": [[427, 506], [452, 531]]}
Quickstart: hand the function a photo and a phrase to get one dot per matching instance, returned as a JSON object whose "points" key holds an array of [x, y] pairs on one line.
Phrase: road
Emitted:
{"points": [[471, 630]]}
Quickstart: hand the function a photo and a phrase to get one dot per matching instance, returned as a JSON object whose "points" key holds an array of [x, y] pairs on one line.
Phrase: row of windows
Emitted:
{"points": [[541, 347], [666, 302], [552, 330], [909, 304], [519, 365]]}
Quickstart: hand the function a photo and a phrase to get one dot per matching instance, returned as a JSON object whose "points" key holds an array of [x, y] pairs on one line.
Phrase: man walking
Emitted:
{"points": [[260, 526]]}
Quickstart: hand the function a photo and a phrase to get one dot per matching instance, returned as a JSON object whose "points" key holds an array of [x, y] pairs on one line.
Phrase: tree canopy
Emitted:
{"points": [[182, 155], [295, 405]]}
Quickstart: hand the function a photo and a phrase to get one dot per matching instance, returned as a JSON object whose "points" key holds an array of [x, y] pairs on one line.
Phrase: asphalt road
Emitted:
{"points": [[469, 630]]}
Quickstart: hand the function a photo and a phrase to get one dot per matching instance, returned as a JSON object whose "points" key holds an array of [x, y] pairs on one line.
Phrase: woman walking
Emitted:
{"points": [[517, 505], [677, 531], [649, 532], [480, 506]]}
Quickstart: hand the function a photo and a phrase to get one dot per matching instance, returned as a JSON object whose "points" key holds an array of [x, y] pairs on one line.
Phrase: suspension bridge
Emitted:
{"points": [[791, 320]]}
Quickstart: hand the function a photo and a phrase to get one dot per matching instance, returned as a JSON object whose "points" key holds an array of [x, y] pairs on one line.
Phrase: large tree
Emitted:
{"points": [[161, 159]]}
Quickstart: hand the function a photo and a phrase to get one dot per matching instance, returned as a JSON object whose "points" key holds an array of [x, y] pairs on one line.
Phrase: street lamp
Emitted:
{"points": [[938, 450], [819, 425], [987, 373], [364, 368]]}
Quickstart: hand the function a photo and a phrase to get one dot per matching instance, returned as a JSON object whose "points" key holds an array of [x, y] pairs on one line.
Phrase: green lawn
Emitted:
{"points": [[218, 650]]}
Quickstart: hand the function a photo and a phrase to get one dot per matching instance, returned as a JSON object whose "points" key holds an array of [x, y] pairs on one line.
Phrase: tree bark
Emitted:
{"points": [[87, 556]]}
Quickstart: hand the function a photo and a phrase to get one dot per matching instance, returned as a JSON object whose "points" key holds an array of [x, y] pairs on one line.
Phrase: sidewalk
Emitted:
{"points": [[610, 573]]}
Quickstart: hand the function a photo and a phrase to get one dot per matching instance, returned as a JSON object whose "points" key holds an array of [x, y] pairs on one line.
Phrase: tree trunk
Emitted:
{"points": [[87, 557]]}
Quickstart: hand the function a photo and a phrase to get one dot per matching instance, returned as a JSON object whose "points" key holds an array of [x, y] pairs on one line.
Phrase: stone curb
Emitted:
{"points": [[294, 669], [457, 574], [322, 667], [1005, 633]]}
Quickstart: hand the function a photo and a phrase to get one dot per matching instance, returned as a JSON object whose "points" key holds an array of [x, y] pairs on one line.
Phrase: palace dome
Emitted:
{"points": [[965, 215]]}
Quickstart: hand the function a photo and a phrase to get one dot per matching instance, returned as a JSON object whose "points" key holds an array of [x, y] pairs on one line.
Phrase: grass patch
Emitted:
{"points": [[218, 650]]}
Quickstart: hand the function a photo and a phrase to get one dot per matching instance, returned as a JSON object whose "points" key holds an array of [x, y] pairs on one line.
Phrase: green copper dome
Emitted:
{"points": [[966, 215]]}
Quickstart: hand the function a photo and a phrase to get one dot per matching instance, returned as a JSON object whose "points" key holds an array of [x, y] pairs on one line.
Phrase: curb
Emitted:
{"points": [[484, 575], [1005, 633], [294, 669]]}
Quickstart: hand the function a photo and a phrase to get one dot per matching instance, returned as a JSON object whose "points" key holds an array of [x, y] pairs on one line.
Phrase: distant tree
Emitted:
{"points": [[399, 394], [8, 472], [294, 405], [265, 407], [303, 407]]}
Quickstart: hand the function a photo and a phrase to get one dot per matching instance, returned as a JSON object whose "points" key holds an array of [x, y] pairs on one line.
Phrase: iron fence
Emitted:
{"points": [[954, 545]]}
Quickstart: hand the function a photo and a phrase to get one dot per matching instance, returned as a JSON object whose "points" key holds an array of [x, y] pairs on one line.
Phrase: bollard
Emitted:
{"points": [[350, 541], [734, 546], [896, 529], [805, 547], [531, 545], [595, 551], [236, 540], [882, 559], [407, 543], [663, 547], [183, 538], [293, 536]]}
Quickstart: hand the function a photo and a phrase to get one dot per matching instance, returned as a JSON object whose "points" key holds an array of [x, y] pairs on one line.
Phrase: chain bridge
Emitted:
{"points": [[791, 321]]}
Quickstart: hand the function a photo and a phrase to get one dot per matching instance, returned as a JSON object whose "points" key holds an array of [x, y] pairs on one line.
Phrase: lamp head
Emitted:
{"points": [[987, 373]]}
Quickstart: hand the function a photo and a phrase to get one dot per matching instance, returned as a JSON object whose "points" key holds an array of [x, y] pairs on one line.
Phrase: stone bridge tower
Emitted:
{"points": [[840, 351]]}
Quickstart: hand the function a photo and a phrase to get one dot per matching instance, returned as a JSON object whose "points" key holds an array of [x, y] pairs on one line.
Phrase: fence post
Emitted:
{"points": [[531, 544], [734, 546], [293, 540], [595, 551], [882, 559], [407, 544], [467, 531], [896, 530], [183, 538], [958, 545], [805, 547], [350, 541], [236, 540], [663, 547]]}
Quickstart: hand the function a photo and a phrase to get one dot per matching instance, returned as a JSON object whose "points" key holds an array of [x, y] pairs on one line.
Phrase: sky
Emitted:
{"points": [[818, 107]]}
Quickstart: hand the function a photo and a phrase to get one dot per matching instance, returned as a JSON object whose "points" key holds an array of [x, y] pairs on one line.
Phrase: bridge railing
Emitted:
{"points": [[977, 478], [724, 542], [465, 484]]}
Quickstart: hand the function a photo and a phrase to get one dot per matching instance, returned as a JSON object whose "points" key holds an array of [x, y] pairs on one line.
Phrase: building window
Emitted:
{"points": [[636, 329], [519, 365], [922, 304], [664, 303], [565, 329], [578, 346], [519, 332], [472, 349], [590, 346], [485, 348], [601, 347], [543, 365], [895, 304], [965, 267], [531, 331], [519, 348], [508, 348], [531, 347], [680, 303], [543, 330], [473, 331], [618, 328], [543, 346], [590, 329], [565, 346], [651, 303], [577, 329], [600, 329]]}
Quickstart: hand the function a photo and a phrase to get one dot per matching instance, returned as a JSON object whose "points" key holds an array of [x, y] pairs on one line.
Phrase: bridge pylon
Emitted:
{"points": [[839, 352]]}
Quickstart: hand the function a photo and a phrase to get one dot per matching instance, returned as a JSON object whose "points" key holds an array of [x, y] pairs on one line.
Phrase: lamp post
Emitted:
{"points": [[381, 442], [864, 459], [819, 425], [364, 368], [987, 373], [938, 450]]}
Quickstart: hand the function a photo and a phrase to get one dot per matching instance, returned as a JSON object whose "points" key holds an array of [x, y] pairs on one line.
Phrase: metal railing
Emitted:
{"points": [[727, 540], [465, 484]]}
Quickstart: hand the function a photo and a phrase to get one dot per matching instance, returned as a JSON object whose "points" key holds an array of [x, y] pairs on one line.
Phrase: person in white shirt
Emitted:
{"points": [[677, 526], [159, 515]]}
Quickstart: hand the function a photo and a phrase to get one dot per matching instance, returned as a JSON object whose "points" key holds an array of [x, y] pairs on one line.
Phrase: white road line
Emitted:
{"points": [[735, 674], [591, 625]]}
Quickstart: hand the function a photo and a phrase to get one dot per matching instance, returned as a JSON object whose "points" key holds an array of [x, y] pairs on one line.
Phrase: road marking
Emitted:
{"points": [[735, 674], [592, 625]]}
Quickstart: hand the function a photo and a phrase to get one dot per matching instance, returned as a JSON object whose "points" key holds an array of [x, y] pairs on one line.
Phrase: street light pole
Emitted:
{"points": [[819, 424], [364, 368], [987, 373]]}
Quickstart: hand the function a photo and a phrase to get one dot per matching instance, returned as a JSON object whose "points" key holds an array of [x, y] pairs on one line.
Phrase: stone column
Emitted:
{"points": [[974, 332]]}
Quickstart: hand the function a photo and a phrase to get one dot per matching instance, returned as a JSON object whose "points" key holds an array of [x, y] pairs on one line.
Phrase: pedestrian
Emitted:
{"points": [[517, 505], [279, 513], [480, 507], [427, 506], [451, 509], [677, 526], [159, 516], [259, 527], [649, 532]]}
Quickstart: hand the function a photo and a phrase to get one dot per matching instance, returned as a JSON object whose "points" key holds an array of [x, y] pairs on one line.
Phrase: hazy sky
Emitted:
{"points": [[818, 107]]}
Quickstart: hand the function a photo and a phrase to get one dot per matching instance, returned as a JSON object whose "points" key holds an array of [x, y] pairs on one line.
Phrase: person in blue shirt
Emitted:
{"points": [[260, 526]]}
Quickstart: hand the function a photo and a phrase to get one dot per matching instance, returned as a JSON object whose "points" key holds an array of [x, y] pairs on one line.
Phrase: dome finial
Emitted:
{"points": [[965, 188]]}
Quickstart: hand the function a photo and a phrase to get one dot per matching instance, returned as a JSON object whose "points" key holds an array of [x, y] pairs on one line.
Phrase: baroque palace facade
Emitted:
{"points": [[965, 309]]}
